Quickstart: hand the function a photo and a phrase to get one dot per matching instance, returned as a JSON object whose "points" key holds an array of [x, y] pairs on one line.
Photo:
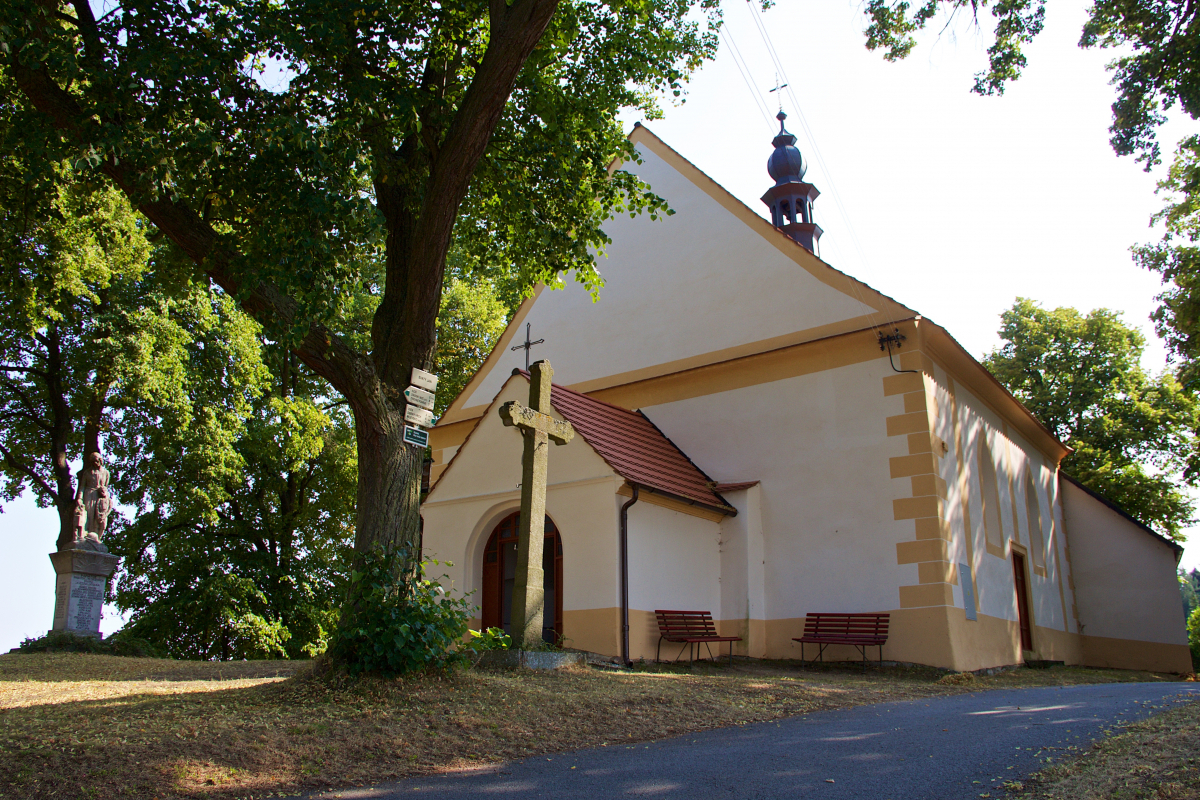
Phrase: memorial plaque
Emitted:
{"points": [[80, 587]]}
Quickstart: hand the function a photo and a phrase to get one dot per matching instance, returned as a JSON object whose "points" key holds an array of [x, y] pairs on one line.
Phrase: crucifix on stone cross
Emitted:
{"points": [[538, 428]]}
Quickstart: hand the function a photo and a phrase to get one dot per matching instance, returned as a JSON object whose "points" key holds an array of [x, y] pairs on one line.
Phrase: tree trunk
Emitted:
{"points": [[389, 486]]}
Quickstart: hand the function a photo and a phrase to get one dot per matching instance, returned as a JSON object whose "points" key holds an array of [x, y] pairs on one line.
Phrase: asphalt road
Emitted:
{"points": [[951, 747]]}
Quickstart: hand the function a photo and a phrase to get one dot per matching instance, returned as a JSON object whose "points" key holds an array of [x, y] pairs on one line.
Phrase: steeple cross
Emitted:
{"points": [[538, 428], [527, 346], [779, 87]]}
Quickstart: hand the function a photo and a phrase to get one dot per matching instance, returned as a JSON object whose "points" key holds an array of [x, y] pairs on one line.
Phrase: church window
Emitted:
{"points": [[990, 494], [1033, 513]]}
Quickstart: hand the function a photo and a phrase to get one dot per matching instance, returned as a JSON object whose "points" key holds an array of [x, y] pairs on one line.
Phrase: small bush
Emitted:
{"points": [[119, 644], [490, 639], [393, 625]]}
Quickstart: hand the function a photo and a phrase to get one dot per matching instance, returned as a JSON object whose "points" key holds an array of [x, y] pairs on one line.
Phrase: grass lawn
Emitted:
{"points": [[83, 726], [1156, 759]]}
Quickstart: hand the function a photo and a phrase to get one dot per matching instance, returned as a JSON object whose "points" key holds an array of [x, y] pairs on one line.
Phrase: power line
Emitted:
{"points": [[739, 61], [774, 56]]}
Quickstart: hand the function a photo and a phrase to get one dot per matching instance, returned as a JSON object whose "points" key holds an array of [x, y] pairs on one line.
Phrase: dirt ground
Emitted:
{"points": [[76, 725]]}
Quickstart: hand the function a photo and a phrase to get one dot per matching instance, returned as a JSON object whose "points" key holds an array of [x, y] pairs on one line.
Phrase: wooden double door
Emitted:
{"points": [[499, 575]]}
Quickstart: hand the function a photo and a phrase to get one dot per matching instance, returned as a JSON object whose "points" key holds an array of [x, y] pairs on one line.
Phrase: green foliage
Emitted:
{"points": [[490, 639], [398, 621], [1158, 66], [892, 24], [1133, 434], [250, 564], [219, 617], [287, 168], [119, 644], [1176, 259], [471, 320], [1194, 638], [1189, 591]]}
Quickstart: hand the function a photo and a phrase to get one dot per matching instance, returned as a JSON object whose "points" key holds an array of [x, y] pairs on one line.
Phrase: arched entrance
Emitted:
{"points": [[499, 572]]}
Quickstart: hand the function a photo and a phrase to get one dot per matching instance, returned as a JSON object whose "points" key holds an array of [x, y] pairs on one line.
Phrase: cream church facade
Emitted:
{"points": [[771, 438]]}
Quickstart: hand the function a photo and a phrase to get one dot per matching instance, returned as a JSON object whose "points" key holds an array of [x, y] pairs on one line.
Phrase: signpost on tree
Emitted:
{"points": [[538, 428]]}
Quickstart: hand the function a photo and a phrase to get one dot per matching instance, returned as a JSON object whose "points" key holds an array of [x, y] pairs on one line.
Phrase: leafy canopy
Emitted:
{"points": [[289, 177], [256, 571], [1157, 69], [1081, 376]]}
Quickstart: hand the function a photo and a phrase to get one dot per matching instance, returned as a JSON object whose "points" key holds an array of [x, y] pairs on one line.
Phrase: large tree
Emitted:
{"points": [[304, 154], [1133, 434]]}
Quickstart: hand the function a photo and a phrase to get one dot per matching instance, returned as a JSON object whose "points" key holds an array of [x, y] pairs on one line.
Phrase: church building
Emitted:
{"points": [[772, 438]]}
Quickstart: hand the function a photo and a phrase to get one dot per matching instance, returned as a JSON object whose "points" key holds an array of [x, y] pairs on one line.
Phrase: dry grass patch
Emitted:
{"points": [[96, 726], [1155, 759]]}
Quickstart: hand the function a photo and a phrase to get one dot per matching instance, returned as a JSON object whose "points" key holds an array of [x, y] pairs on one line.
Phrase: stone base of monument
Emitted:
{"points": [[529, 659], [83, 575]]}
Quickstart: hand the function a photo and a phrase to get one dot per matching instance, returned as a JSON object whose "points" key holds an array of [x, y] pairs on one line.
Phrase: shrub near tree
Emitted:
{"points": [[1134, 434]]}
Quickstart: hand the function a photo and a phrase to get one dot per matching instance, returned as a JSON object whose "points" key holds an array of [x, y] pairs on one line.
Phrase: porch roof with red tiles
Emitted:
{"points": [[636, 449]]}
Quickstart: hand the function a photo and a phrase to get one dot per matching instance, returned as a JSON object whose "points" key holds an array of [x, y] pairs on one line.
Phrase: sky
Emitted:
{"points": [[951, 203]]}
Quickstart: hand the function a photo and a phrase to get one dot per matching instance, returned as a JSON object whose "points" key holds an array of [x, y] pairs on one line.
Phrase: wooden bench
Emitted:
{"points": [[691, 628], [858, 630]]}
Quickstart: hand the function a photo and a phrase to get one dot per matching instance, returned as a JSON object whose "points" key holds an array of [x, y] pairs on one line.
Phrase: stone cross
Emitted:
{"points": [[538, 428]]}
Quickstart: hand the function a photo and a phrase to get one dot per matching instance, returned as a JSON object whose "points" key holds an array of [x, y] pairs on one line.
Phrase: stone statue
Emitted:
{"points": [[92, 501]]}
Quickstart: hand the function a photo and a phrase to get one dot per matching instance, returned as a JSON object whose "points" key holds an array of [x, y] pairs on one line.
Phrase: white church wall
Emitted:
{"points": [[1047, 568], [961, 547], [683, 279], [674, 563], [818, 445], [743, 572], [499, 470], [1048, 603], [1127, 592]]}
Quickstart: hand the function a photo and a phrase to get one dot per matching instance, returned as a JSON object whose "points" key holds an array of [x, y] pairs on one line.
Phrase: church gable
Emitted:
{"points": [[712, 282], [489, 461]]}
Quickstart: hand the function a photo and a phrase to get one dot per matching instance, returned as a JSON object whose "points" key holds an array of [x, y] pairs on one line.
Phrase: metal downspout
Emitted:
{"points": [[625, 577]]}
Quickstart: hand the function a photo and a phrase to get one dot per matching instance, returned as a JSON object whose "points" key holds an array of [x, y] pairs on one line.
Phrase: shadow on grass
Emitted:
{"points": [[60, 667]]}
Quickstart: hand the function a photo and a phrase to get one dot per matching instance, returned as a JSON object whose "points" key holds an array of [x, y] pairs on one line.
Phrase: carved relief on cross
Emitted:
{"points": [[538, 428]]}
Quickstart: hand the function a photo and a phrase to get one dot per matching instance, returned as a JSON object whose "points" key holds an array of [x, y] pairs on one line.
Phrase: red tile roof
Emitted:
{"points": [[734, 487], [636, 449]]}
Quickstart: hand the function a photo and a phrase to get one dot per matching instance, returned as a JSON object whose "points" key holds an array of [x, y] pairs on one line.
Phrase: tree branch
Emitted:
{"points": [[28, 472], [325, 353]]}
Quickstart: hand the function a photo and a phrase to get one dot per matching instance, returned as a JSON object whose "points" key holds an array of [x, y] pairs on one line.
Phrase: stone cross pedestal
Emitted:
{"points": [[83, 575], [538, 428]]}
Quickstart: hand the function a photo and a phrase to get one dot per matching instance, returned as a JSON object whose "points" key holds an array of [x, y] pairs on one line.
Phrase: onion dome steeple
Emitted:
{"points": [[791, 199]]}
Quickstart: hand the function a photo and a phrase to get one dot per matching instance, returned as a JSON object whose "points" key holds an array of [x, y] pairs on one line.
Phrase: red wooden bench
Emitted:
{"points": [[691, 628], [859, 630]]}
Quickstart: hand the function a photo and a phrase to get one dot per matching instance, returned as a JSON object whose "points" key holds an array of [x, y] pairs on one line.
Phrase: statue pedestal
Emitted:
{"points": [[79, 593]]}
